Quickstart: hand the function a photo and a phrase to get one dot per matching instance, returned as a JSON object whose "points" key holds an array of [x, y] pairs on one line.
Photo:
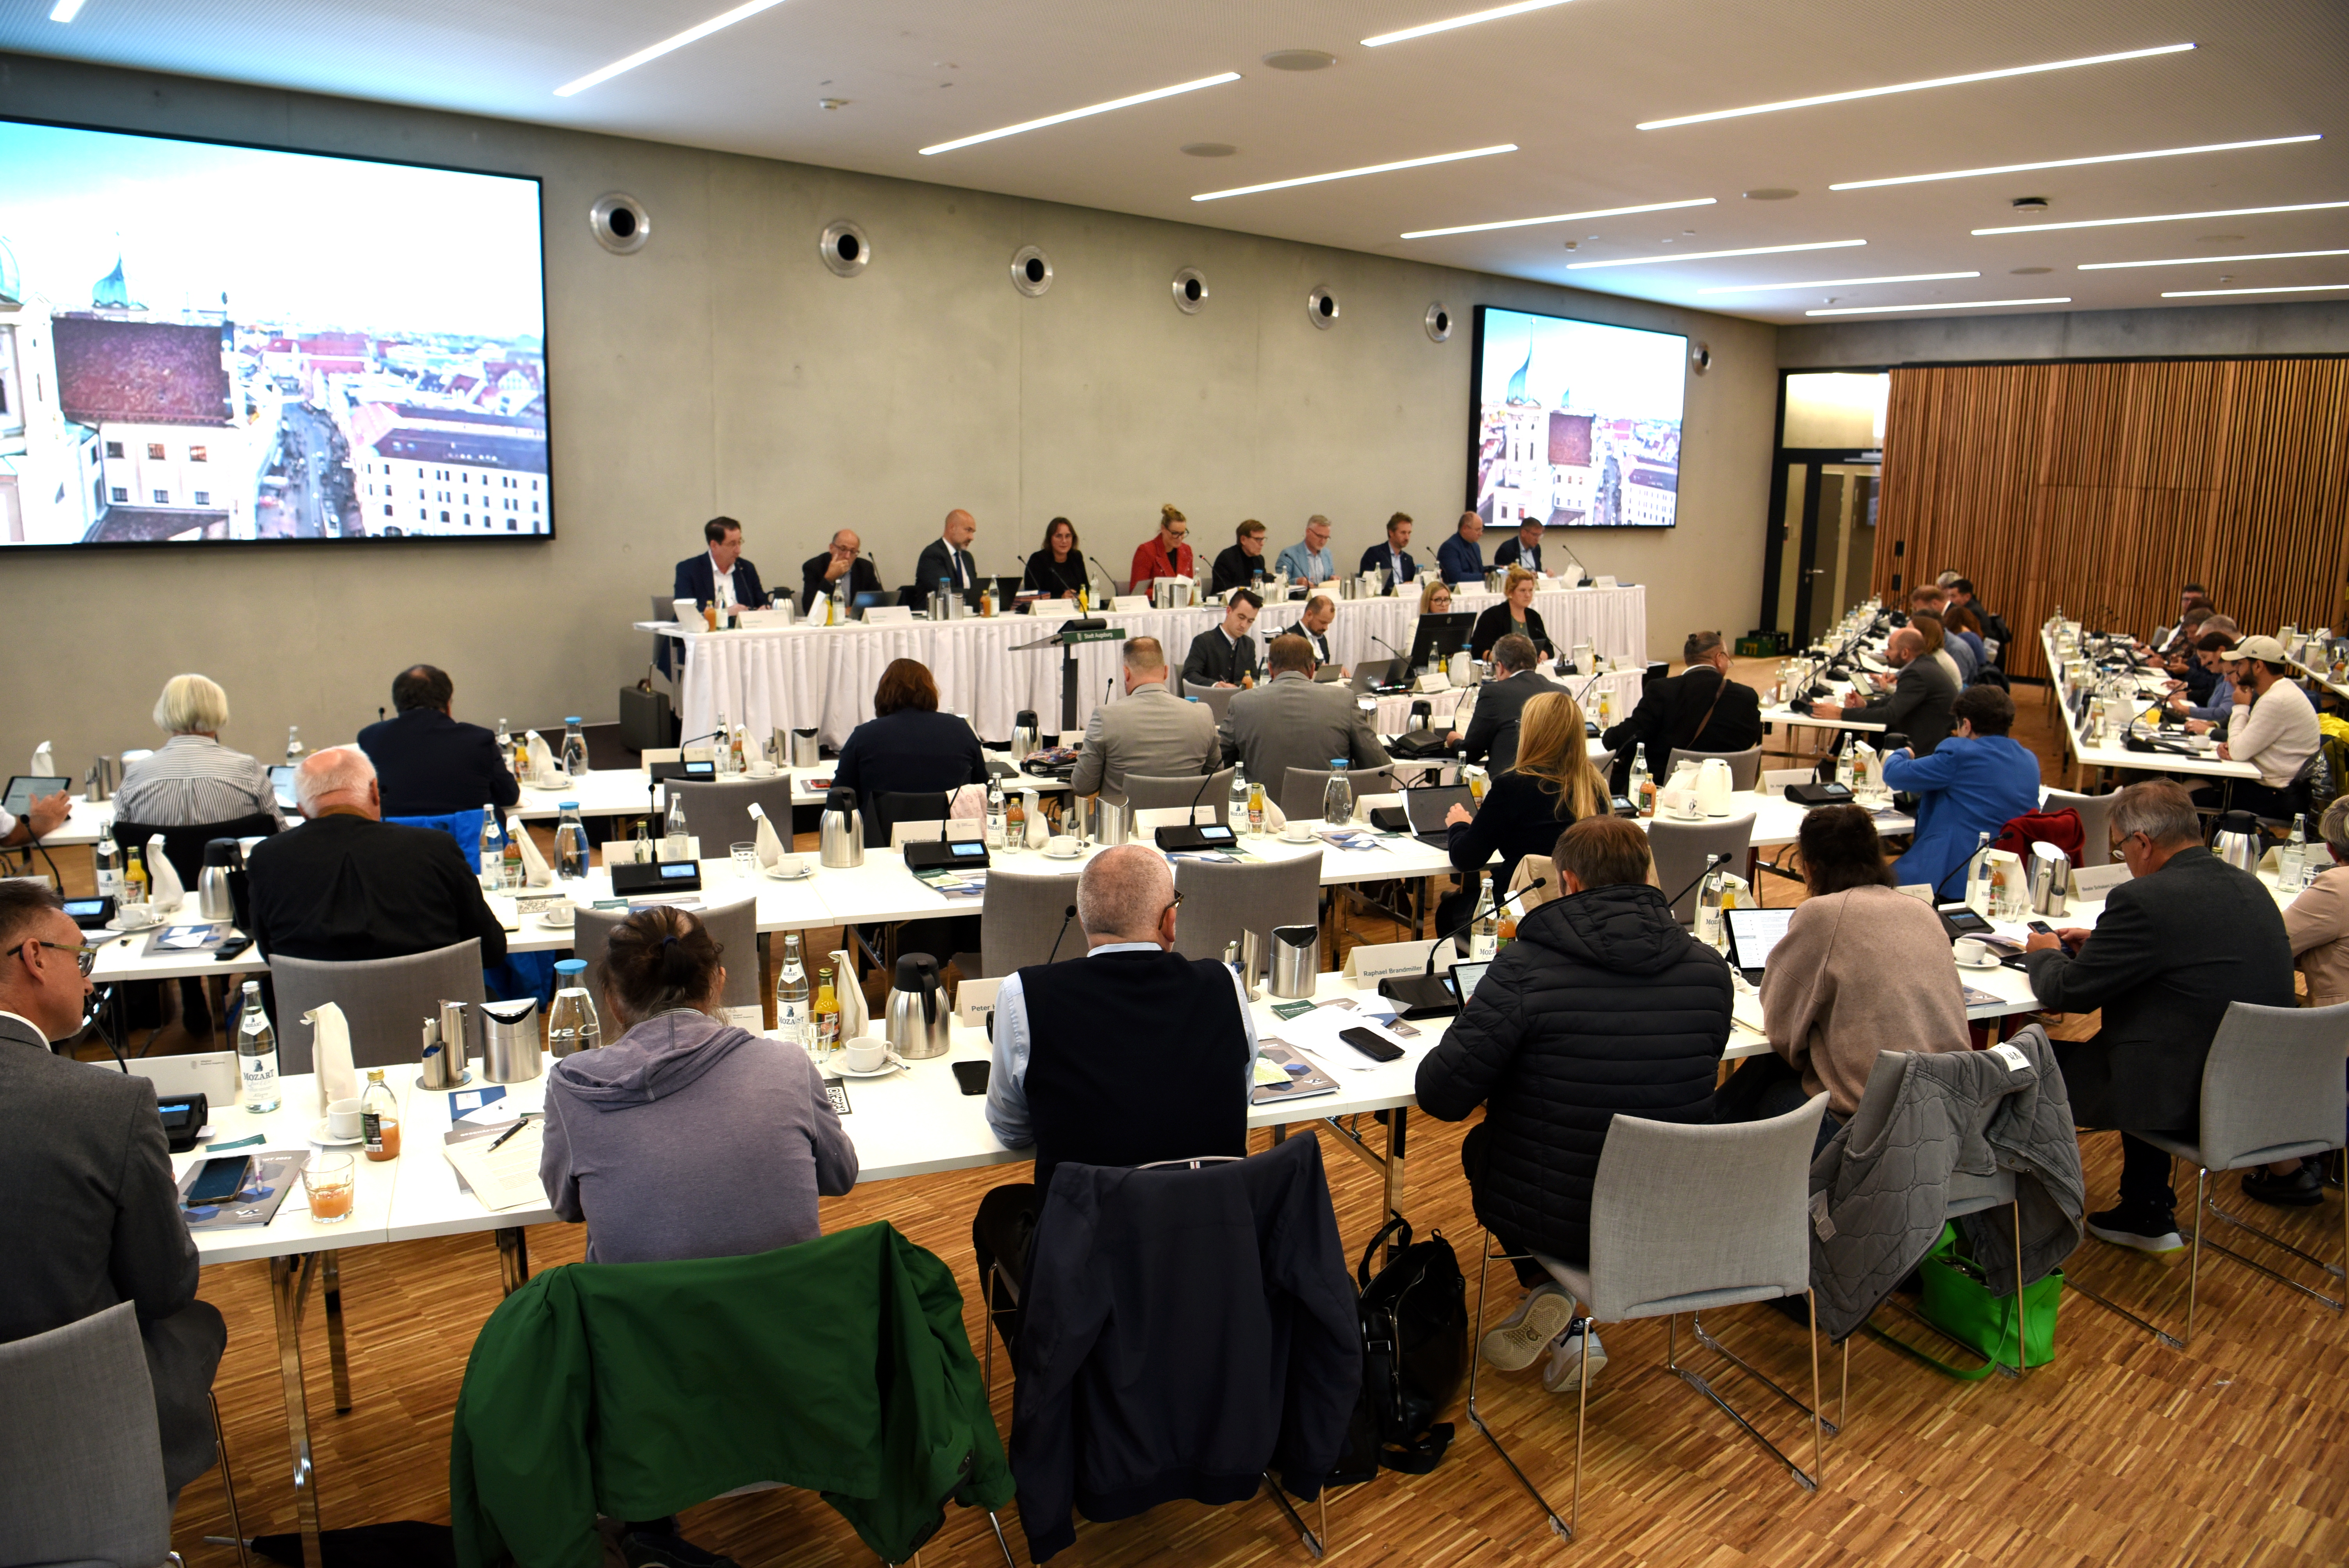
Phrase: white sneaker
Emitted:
{"points": [[1567, 1367], [1541, 1316]]}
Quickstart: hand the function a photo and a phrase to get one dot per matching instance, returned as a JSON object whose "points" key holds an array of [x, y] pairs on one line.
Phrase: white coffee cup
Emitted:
{"points": [[866, 1055], [788, 865], [1970, 950], [559, 914], [138, 916], [1294, 832], [1063, 844], [763, 768], [341, 1118]]}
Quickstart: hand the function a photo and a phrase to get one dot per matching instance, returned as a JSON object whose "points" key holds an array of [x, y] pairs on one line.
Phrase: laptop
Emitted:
{"points": [[1370, 674], [1424, 808], [1753, 932]]}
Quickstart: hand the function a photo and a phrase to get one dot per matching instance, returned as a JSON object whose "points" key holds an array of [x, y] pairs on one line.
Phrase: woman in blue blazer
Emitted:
{"points": [[1975, 782]]}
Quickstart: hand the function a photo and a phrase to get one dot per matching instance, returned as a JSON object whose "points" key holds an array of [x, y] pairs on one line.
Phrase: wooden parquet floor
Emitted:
{"points": [[2121, 1452]]}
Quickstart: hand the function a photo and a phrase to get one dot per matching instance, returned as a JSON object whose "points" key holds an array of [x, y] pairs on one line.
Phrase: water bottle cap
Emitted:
{"points": [[1338, 763], [571, 805], [570, 967], [573, 719]]}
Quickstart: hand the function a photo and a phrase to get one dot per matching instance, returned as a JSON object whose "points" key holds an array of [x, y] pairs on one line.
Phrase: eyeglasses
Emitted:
{"points": [[84, 956], [1175, 905]]}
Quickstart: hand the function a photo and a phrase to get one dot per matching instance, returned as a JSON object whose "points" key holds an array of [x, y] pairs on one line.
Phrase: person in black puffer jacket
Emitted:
{"points": [[1603, 1004]]}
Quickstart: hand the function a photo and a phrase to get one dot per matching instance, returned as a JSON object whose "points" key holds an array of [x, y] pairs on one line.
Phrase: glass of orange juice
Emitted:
{"points": [[329, 1179]]}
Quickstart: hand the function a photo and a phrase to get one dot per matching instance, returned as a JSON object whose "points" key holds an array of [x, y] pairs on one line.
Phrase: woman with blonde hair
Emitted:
{"points": [[193, 781], [1552, 786], [1163, 554], [1436, 599], [1513, 616]]}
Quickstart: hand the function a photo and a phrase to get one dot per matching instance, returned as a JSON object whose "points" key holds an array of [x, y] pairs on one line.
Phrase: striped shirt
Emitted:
{"points": [[193, 780]]}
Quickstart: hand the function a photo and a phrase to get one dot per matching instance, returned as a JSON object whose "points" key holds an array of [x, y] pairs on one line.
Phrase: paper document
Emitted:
{"points": [[1317, 1032], [505, 1177]]}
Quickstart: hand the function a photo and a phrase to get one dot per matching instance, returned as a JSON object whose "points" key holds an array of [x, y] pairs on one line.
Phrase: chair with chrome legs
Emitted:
{"points": [[2271, 1090], [1683, 1217]]}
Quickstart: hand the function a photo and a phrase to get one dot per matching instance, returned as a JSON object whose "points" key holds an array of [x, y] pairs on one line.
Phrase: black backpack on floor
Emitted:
{"points": [[1415, 1318]]}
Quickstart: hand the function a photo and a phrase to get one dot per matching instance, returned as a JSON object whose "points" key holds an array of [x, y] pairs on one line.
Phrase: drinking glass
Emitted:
{"points": [[746, 859], [329, 1179]]}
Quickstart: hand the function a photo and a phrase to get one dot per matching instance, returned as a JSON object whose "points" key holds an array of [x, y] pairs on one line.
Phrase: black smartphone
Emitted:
{"points": [[1371, 1044], [2040, 927], [219, 1180], [971, 1076]]}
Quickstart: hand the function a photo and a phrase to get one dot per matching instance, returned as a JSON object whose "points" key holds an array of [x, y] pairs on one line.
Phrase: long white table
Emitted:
{"points": [[2100, 757], [808, 674]]}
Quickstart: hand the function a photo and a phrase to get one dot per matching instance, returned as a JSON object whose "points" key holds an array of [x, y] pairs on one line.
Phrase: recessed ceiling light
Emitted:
{"points": [[2070, 163], [2290, 288], [1939, 304], [1300, 59], [65, 10], [2205, 260], [831, 103], [1772, 193], [1208, 148], [1559, 218], [1838, 283], [2027, 271], [1468, 20], [2216, 239], [1062, 118], [2162, 218], [676, 41], [1356, 173], [1911, 87], [1708, 255]]}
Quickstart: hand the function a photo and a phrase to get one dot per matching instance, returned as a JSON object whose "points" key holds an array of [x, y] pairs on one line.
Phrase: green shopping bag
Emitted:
{"points": [[1957, 1303]]}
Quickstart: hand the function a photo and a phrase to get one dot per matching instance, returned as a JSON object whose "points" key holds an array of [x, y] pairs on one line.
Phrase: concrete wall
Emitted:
{"points": [[722, 369], [2230, 331]]}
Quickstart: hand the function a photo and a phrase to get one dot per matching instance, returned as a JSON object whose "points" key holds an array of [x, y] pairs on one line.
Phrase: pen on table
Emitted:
{"points": [[520, 1123]]}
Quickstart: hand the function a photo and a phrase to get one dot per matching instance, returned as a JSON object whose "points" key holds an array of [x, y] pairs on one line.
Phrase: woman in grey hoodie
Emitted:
{"points": [[687, 1138]]}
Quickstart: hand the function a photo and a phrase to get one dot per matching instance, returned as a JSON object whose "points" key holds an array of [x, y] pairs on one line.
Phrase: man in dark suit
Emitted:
{"points": [[94, 1214], [1918, 705], [1395, 555], [821, 574], [1313, 625], [1221, 654], [1699, 710], [346, 885], [2187, 936], [1525, 550], [720, 575], [1493, 729], [426, 763], [947, 557]]}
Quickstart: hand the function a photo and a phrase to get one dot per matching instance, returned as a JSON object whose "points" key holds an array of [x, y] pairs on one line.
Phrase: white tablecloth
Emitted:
{"points": [[799, 676]]}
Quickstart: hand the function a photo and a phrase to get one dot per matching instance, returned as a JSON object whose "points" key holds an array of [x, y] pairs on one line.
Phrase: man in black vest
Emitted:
{"points": [[1127, 1055]]}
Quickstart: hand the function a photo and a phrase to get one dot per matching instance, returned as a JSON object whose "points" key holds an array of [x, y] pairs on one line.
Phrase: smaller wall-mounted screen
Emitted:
{"points": [[1577, 424], [208, 345]]}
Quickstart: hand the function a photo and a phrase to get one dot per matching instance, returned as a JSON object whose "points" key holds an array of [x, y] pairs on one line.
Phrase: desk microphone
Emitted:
{"points": [[1456, 931], [1422, 995], [1710, 862], [1204, 780], [1108, 579], [1071, 915]]}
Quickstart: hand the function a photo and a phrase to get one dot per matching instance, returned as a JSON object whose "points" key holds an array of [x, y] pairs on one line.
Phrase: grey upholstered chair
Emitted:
{"points": [[2095, 813], [1662, 1242], [1021, 916], [1744, 766], [734, 925], [1219, 699], [718, 813], [2271, 1089], [81, 1460], [1679, 848], [1157, 792], [1301, 792], [1220, 901], [384, 1000]]}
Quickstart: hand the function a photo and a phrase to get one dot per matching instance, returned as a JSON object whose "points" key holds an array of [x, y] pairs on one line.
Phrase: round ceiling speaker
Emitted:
{"points": [[1699, 357], [844, 248], [619, 223], [1439, 323], [1321, 306], [1031, 271], [1190, 287]]}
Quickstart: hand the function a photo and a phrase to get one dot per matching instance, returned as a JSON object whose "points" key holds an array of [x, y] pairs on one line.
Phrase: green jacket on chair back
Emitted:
{"points": [[839, 1364]]}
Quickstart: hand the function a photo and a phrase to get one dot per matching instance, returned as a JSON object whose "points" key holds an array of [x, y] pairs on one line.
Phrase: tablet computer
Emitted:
{"points": [[1753, 932], [23, 787]]}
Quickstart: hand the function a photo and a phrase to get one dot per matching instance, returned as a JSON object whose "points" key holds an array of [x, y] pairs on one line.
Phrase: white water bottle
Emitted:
{"points": [[256, 1053]]}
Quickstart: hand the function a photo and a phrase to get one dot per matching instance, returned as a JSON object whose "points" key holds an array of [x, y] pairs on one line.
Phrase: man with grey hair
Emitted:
{"points": [[1311, 561], [1153, 732], [1492, 735], [1699, 710], [2186, 937], [1128, 1055], [346, 885]]}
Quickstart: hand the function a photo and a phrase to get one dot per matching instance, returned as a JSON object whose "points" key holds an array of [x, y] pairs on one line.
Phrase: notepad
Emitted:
{"points": [[505, 1177]]}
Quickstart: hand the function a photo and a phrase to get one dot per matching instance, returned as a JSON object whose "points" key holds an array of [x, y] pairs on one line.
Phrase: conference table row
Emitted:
{"points": [[812, 676]]}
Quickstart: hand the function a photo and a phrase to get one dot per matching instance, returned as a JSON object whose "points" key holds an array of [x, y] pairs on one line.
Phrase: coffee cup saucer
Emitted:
{"points": [[325, 1139], [892, 1065]]}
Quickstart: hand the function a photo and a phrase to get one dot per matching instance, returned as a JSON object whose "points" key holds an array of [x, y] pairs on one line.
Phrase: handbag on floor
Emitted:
{"points": [[1414, 1356], [1956, 1303]]}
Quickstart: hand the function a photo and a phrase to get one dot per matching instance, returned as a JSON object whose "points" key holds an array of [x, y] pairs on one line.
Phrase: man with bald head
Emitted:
{"points": [[1460, 560], [1127, 1054], [1917, 703], [346, 885], [948, 556], [821, 575]]}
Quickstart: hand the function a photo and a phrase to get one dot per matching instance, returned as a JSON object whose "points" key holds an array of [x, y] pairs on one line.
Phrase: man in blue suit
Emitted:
{"points": [[428, 763], [1461, 559], [720, 575], [1975, 782]]}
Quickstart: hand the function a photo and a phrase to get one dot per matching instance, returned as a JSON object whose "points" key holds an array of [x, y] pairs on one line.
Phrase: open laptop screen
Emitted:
{"points": [[1428, 805]]}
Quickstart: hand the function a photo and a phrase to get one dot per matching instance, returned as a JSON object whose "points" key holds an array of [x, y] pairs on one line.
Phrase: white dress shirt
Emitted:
{"points": [[721, 584]]}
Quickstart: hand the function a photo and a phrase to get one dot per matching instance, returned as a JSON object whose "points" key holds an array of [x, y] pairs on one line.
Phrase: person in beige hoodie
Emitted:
{"points": [[2318, 919], [1862, 969]]}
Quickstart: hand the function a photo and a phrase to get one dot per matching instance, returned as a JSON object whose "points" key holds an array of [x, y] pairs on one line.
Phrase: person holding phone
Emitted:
{"points": [[97, 1216]]}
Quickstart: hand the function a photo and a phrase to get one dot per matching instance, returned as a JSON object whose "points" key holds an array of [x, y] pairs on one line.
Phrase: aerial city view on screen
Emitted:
{"points": [[203, 342], [1577, 424]]}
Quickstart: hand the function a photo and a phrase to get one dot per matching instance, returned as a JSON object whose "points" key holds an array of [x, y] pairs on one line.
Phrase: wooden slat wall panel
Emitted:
{"points": [[2102, 487]]}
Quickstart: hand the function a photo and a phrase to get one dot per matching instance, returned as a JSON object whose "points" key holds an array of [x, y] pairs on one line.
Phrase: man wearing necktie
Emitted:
{"points": [[947, 556]]}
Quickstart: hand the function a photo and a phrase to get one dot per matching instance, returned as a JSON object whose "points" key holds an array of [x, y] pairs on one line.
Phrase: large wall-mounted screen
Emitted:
{"points": [[208, 345], [1577, 424]]}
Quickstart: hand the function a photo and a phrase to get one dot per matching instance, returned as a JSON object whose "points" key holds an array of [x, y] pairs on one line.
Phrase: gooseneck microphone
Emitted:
{"points": [[1710, 862], [1433, 946], [1071, 915]]}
